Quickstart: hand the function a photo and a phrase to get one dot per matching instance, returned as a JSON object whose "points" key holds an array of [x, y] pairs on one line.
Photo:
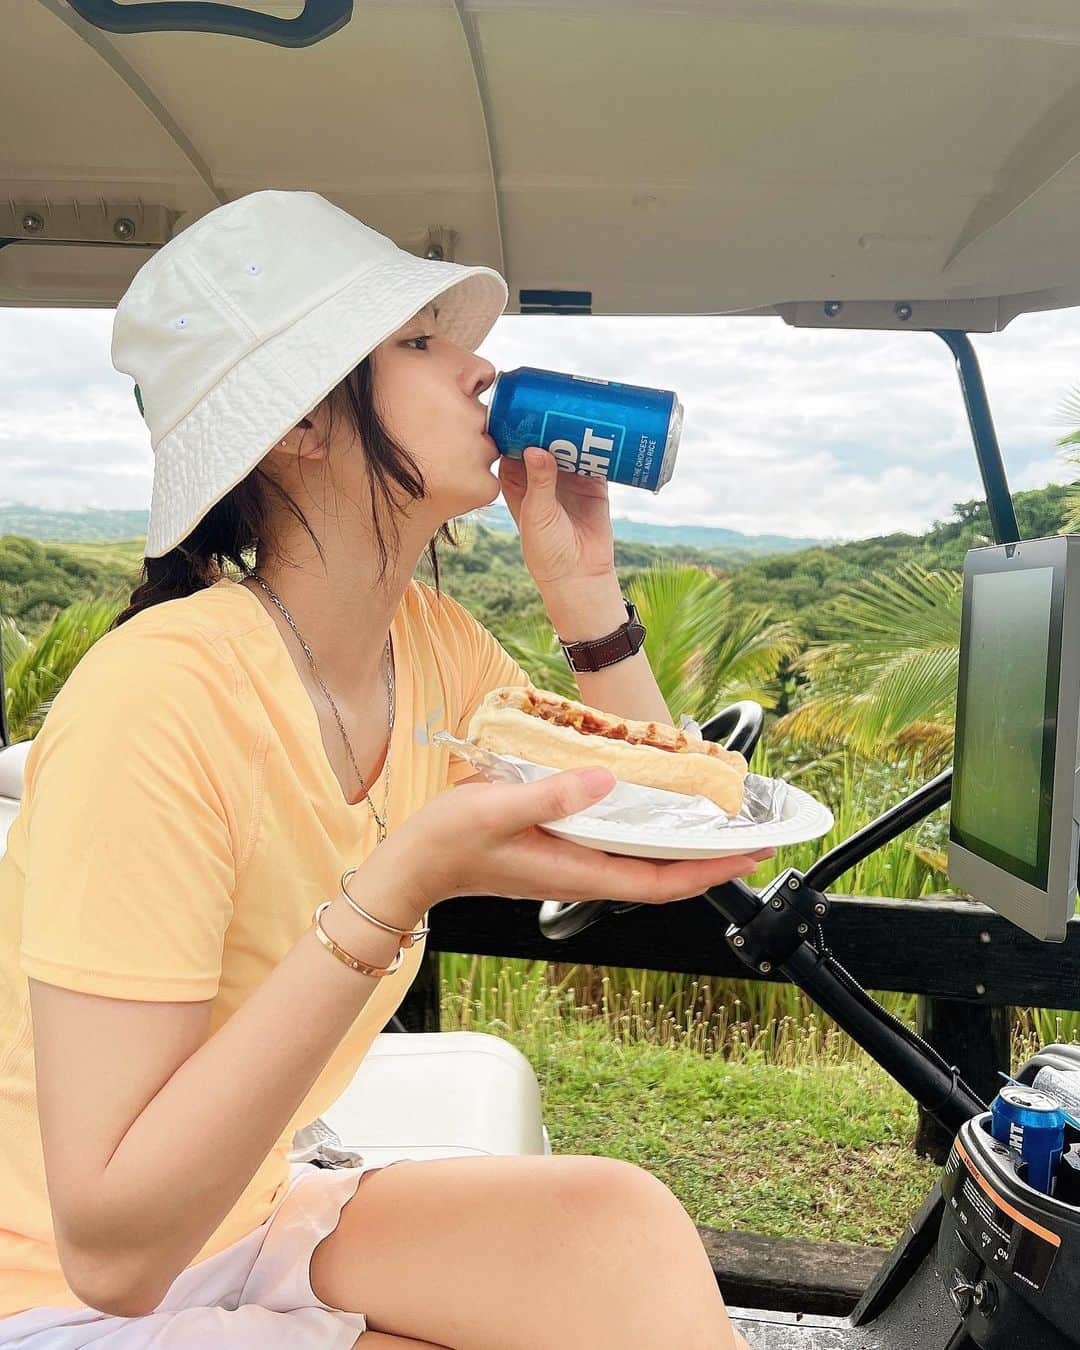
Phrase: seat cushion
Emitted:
{"points": [[440, 1094], [12, 766], [9, 809]]}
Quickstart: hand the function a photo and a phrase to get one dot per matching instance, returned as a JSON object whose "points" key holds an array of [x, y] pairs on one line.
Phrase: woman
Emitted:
{"points": [[176, 998]]}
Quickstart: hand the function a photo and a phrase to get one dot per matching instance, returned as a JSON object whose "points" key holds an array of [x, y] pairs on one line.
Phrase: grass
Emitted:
{"points": [[790, 1131], [815, 1152]]}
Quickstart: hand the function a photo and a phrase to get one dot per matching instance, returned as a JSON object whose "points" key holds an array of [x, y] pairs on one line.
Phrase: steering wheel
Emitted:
{"points": [[739, 727]]}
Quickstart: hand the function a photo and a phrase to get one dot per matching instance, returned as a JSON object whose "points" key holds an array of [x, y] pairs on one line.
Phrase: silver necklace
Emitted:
{"points": [[391, 701]]}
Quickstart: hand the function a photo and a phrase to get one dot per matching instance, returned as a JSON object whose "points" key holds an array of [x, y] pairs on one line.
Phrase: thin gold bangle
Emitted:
{"points": [[408, 936], [343, 956]]}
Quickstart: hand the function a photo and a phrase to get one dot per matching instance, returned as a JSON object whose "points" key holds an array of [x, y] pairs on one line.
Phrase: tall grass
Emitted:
{"points": [[525, 1002], [1035, 1027]]}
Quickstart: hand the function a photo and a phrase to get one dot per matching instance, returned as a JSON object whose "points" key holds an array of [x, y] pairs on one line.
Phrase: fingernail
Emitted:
{"points": [[598, 781]]}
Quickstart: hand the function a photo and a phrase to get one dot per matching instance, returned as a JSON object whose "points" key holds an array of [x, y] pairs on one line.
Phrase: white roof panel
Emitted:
{"points": [[710, 156]]}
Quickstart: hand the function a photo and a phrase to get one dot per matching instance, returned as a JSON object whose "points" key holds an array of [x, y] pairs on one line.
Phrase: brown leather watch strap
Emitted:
{"points": [[594, 655]]}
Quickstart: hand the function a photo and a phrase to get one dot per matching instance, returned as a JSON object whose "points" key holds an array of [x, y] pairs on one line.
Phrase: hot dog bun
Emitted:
{"points": [[542, 727]]}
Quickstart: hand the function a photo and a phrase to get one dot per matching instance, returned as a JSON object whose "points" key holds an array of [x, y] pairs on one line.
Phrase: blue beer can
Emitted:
{"points": [[622, 432], [1031, 1124]]}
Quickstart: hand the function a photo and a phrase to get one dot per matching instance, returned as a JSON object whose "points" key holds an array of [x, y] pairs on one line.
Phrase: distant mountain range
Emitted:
{"points": [[96, 523], [86, 526], [497, 517]]}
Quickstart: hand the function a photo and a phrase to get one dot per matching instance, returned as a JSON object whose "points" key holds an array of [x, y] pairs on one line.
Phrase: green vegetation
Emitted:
{"points": [[38, 580], [487, 574], [797, 584], [34, 670], [882, 681]]}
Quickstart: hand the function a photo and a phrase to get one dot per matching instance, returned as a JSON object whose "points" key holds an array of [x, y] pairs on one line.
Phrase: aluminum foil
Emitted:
{"points": [[629, 804], [319, 1144]]}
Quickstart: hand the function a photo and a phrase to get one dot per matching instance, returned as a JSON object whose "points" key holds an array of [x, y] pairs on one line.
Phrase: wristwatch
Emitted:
{"points": [[606, 651]]}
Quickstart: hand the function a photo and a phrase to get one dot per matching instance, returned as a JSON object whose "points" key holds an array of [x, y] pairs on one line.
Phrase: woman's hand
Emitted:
{"points": [[483, 839], [563, 518]]}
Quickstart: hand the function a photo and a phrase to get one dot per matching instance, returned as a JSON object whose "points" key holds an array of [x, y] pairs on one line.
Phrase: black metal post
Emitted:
{"points": [[978, 1039], [969, 1034], [421, 1008], [998, 498]]}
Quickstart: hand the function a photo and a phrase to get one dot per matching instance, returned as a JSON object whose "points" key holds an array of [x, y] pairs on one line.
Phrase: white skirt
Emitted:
{"points": [[254, 1295]]}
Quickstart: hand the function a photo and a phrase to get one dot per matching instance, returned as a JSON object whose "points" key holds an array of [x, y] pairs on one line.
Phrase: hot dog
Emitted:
{"points": [[542, 727]]}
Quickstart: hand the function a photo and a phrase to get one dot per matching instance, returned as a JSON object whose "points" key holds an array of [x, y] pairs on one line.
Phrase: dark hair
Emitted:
{"points": [[235, 524]]}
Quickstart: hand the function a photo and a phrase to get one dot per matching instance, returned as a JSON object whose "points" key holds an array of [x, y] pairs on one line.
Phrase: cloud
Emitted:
{"points": [[1039, 472], [797, 431], [805, 431], [71, 435]]}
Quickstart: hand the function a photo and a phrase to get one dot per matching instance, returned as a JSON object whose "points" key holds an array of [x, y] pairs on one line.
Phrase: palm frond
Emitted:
{"points": [[894, 611], [916, 686], [685, 612], [930, 744], [534, 646], [745, 661], [891, 664], [35, 671], [824, 721], [1071, 523], [1069, 412]]}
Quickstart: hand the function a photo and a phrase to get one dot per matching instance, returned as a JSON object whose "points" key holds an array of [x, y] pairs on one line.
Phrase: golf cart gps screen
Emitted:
{"points": [[1006, 724]]}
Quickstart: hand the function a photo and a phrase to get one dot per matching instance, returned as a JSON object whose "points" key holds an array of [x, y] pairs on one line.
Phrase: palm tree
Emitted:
{"points": [[885, 684], [702, 652], [35, 670]]}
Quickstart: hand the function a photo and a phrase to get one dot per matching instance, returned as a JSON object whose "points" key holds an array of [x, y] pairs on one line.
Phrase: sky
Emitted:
{"points": [[836, 435]]}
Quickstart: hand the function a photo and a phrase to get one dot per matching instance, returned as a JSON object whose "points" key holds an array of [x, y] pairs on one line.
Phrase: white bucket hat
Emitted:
{"points": [[237, 328]]}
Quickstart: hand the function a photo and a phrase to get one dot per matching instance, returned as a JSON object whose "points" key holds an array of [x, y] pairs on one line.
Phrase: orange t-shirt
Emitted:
{"points": [[179, 822]]}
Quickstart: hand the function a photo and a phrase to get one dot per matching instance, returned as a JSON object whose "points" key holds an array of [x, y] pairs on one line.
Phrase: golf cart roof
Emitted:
{"points": [[613, 157]]}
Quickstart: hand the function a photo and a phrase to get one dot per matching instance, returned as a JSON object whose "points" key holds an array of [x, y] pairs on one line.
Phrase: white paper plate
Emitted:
{"points": [[801, 818]]}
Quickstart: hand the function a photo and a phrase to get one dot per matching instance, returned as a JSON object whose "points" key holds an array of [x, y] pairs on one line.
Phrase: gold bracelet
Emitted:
{"points": [[343, 956], [408, 936]]}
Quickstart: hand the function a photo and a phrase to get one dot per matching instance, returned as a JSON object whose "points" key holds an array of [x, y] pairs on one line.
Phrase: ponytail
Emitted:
{"points": [[175, 574]]}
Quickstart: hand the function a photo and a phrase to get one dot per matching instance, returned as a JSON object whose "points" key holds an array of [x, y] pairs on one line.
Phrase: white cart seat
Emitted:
{"points": [[440, 1094], [12, 766]]}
